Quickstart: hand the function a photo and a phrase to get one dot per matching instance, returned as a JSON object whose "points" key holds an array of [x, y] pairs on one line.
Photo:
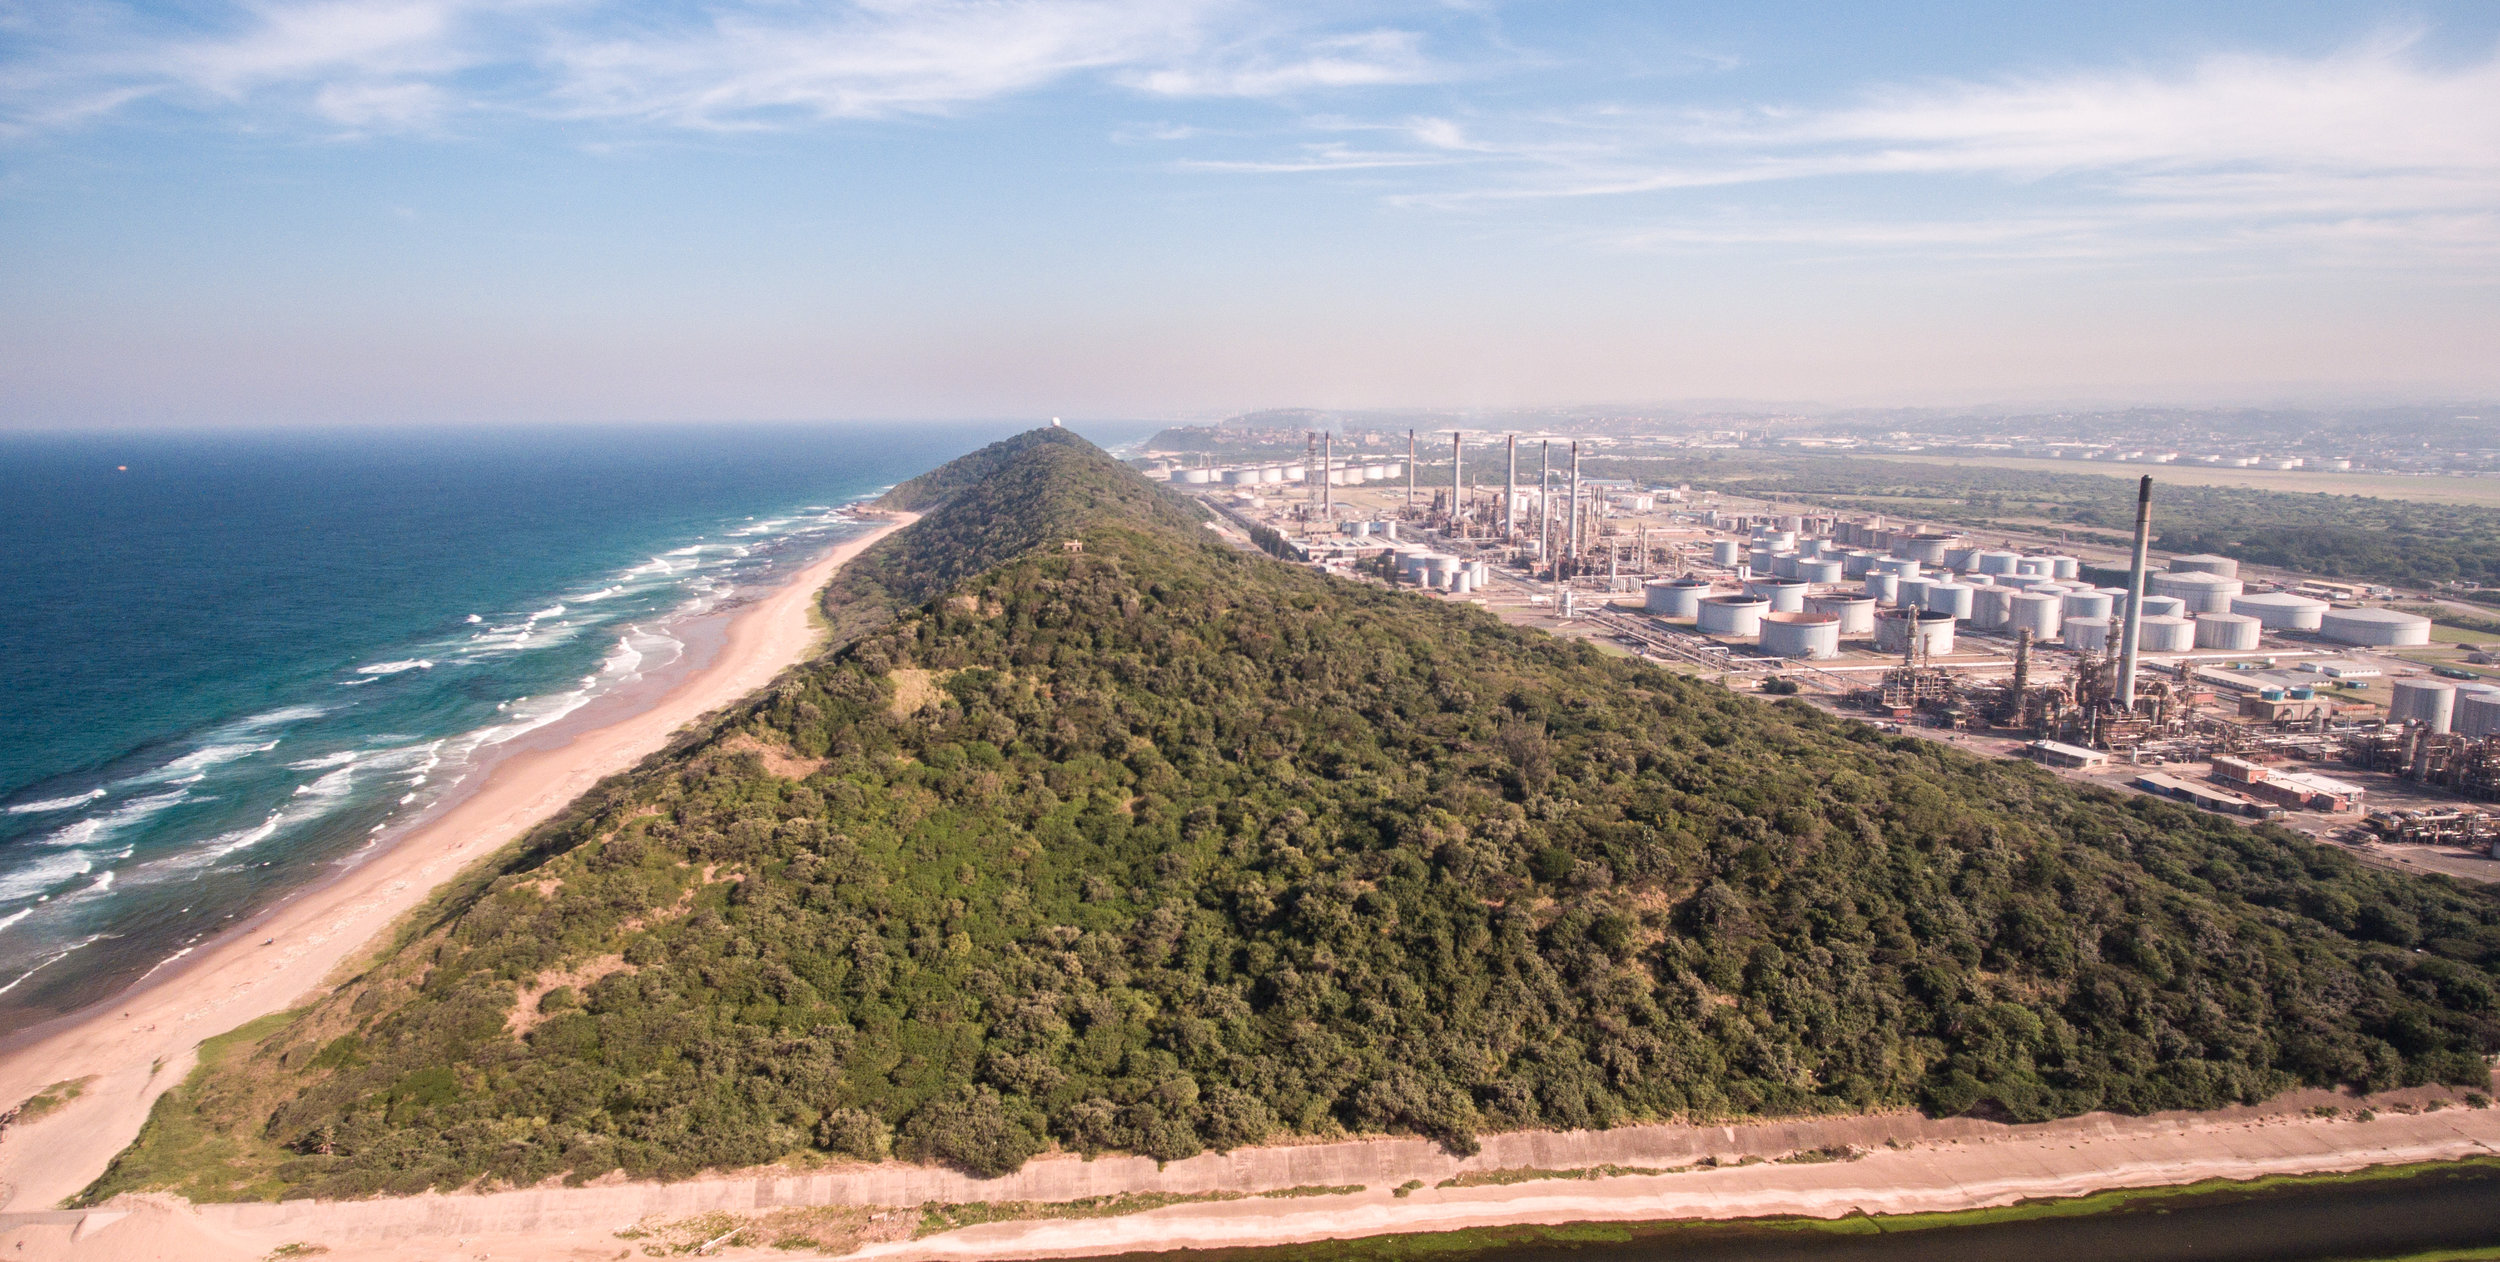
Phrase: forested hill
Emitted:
{"points": [[1158, 847]]}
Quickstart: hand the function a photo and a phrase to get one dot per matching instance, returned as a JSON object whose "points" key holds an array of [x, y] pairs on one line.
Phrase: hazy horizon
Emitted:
{"points": [[351, 212]]}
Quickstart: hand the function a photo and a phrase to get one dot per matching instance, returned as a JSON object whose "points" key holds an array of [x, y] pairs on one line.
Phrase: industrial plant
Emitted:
{"points": [[2269, 696]]}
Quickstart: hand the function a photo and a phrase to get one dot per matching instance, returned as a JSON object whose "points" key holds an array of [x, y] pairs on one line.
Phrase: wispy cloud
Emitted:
{"points": [[396, 64], [2232, 151], [1365, 59]]}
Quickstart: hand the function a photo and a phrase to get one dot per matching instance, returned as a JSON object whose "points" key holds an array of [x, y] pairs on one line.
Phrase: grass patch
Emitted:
{"points": [[1817, 1156], [937, 1216], [1530, 1174], [48, 1101], [190, 1144], [1312, 1189], [825, 1229]]}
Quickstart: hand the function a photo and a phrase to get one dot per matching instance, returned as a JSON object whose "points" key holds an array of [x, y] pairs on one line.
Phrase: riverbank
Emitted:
{"points": [[141, 1043], [1287, 1194]]}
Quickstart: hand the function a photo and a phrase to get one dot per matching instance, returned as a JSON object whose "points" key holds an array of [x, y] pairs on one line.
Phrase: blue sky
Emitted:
{"points": [[438, 210]]}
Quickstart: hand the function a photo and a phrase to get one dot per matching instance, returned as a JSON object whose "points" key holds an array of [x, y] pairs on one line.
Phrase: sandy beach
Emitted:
{"points": [[1902, 1163], [143, 1042]]}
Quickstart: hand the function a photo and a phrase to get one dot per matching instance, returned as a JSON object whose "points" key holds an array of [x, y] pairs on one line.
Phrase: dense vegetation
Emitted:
{"points": [[2402, 542], [1160, 847]]}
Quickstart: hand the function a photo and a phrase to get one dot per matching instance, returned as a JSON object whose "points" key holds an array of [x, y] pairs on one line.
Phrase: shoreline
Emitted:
{"points": [[1904, 1164], [142, 1041]]}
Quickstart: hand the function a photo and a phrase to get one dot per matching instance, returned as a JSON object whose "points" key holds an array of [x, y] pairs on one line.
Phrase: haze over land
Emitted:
{"points": [[432, 210]]}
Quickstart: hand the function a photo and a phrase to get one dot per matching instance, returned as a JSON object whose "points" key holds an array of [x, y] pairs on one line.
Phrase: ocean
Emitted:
{"points": [[231, 661]]}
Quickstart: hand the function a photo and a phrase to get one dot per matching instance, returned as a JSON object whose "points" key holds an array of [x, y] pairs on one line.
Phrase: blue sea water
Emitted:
{"points": [[229, 661]]}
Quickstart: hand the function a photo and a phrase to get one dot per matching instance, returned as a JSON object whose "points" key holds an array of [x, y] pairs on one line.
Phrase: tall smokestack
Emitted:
{"points": [[1458, 508], [1327, 497], [1545, 509], [2134, 629], [1410, 468], [1575, 504], [1510, 493]]}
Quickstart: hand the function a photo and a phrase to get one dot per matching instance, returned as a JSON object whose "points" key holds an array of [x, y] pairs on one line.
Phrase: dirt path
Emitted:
{"points": [[1905, 1163], [144, 1042]]}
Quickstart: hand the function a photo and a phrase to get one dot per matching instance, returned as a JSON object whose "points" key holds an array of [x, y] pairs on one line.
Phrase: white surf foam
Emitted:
{"points": [[43, 873], [55, 804], [97, 827], [393, 668]]}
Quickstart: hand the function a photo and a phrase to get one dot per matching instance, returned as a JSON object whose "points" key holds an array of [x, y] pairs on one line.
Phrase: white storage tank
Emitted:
{"points": [[2205, 563], [1927, 548], [1674, 598], [1856, 564], [1998, 562], [1296, 473], [1195, 477], [1883, 586], [1897, 629], [1784, 564], [2229, 632], [2091, 604], [1903, 567], [1856, 612], [2035, 567], [1786, 595], [2282, 611], [1809, 635], [1991, 607], [1914, 591], [2477, 712], [2088, 633], [1818, 570], [2198, 591], [2165, 633], [2430, 702], [2063, 568], [1950, 599], [2043, 616], [1726, 552], [2382, 628], [1272, 474], [1961, 558], [1761, 557], [1375, 472], [1731, 615], [2164, 607]]}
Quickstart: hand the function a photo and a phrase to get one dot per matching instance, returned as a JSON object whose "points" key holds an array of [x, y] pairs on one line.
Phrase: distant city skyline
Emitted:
{"points": [[410, 211]]}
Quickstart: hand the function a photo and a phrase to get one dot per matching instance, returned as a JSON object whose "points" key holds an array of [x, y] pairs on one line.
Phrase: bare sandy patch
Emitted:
{"points": [[525, 1014], [914, 690], [780, 762]]}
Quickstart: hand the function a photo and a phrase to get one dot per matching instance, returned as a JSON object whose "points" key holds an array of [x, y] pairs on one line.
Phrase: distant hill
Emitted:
{"points": [[1153, 846]]}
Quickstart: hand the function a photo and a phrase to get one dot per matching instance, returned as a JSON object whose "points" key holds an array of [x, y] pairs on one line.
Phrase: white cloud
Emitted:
{"points": [[373, 64], [861, 61], [1368, 59], [2230, 152]]}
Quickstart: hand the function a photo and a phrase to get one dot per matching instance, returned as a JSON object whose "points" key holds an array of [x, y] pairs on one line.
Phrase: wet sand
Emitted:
{"points": [[140, 1043]]}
